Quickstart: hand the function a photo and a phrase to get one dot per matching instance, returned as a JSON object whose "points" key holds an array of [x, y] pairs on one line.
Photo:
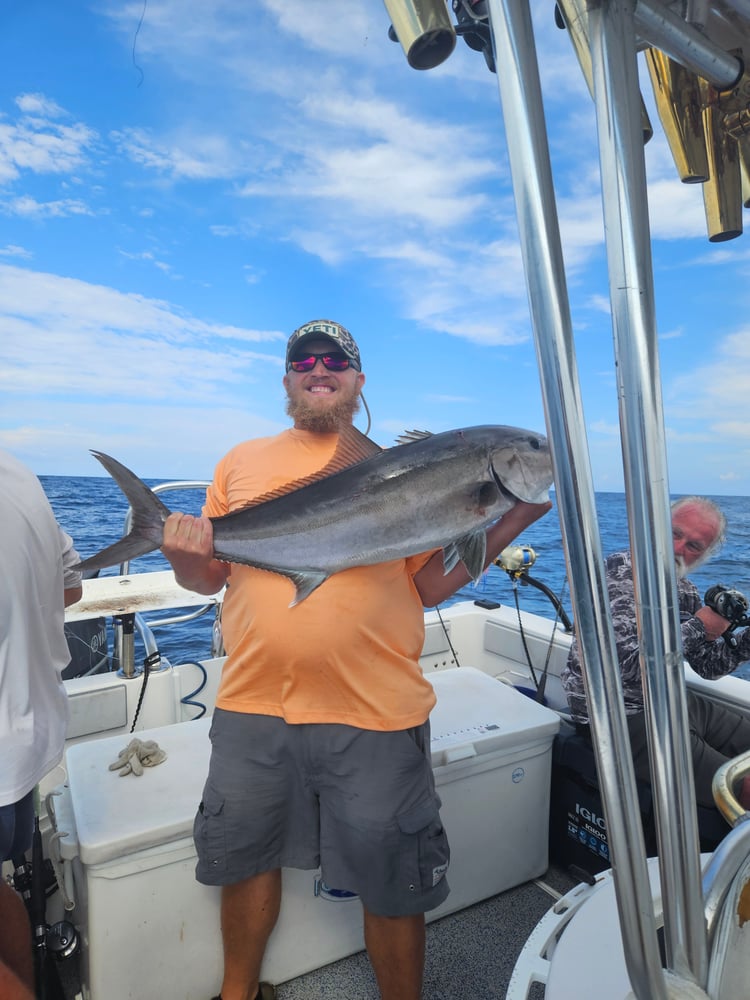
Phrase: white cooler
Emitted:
{"points": [[153, 931]]}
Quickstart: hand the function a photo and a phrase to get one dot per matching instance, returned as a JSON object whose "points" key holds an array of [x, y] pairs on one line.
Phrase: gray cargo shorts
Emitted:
{"points": [[360, 805]]}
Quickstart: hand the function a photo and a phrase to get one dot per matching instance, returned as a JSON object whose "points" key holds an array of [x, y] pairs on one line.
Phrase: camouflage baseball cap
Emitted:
{"points": [[318, 328]]}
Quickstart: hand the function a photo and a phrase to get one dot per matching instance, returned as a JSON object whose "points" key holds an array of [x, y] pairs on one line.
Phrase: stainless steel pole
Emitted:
{"points": [[624, 193], [520, 93], [657, 24]]}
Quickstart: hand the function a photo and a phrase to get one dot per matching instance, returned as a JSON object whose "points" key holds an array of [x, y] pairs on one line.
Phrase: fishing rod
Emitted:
{"points": [[56, 948], [516, 560]]}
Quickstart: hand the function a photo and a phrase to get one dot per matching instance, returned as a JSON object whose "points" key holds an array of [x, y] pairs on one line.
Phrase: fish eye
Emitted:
{"points": [[534, 443]]}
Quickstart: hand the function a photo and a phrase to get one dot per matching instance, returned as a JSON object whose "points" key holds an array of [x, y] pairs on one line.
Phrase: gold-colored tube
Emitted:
{"points": [[678, 103], [745, 171], [725, 781], [737, 124], [424, 29], [722, 192]]}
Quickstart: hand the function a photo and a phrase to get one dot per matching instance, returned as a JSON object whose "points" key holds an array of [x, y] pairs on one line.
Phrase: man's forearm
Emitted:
{"points": [[435, 586], [208, 580]]}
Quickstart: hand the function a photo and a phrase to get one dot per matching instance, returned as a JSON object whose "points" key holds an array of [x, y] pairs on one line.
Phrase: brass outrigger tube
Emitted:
{"points": [[701, 87]]}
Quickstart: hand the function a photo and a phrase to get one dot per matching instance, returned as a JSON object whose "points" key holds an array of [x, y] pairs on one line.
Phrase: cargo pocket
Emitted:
{"points": [[425, 852], [209, 833]]}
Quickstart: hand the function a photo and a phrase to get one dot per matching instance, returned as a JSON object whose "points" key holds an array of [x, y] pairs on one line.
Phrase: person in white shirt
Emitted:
{"points": [[36, 584]]}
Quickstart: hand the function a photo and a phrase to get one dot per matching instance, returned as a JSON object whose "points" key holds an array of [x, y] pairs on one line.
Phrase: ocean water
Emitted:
{"points": [[93, 511]]}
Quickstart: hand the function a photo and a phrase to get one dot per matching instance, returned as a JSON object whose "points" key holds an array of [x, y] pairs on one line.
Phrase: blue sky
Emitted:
{"points": [[177, 197]]}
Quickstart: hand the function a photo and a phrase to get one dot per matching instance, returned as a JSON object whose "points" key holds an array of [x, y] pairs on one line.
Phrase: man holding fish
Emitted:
{"points": [[320, 738]]}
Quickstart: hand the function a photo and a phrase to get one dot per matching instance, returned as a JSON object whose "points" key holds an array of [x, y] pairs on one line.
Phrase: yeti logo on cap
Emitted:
{"points": [[325, 328]]}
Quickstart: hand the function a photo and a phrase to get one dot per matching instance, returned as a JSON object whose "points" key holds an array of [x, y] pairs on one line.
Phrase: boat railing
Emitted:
{"points": [[126, 597], [146, 628]]}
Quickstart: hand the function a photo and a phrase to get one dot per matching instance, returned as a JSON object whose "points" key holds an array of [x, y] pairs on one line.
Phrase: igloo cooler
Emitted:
{"points": [[150, 930]]}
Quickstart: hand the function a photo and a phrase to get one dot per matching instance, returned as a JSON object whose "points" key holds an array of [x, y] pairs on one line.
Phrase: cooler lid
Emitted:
{"points": [[477, 714], [117, 815]]}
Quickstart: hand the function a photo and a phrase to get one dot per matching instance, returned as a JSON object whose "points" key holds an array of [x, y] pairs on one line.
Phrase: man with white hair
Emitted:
{"points": [[717, 733]]}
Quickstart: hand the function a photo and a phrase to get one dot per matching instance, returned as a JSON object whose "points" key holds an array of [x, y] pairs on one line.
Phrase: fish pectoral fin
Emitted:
{"points": [[471, 549], [450, 558], [305, 582]]}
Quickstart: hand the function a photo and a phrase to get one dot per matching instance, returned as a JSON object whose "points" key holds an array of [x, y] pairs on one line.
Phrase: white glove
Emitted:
{"points": [[137, 755]]}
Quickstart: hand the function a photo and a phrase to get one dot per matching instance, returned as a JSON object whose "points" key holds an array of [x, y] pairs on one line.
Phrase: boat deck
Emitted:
{"points": [[470, 954]]}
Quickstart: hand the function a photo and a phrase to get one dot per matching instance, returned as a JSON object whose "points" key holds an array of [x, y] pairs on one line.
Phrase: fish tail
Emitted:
{"points": [[149, 515]]}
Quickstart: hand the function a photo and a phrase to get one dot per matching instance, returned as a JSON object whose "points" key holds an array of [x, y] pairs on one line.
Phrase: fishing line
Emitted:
{"points": [[514, 584], [541, 683], [558, 609], [367, 411], [448, 636], [135, 39]]}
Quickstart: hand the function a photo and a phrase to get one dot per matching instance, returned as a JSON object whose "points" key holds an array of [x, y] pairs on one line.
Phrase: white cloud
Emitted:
{"points": [[675, 334], [336, 27], [437, 398], [716, 393], [38, 145], [11, 250], [730, 429], [188, 156], [178, 390], [365, 156], [605, 429], [175, 441], [40, 106], [31, 208], [111, 338], [600, 303], [148, 257]]}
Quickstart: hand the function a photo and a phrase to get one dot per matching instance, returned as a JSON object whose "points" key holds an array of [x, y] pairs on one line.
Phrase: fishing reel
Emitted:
{"points": [[730, 604], [516, 559]]}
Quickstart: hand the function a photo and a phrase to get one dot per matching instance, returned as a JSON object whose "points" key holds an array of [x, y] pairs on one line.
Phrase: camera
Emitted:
{"points": [[730, 604]]}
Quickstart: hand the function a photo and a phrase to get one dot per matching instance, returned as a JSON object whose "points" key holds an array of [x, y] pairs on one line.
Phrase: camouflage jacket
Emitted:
{"points": [[709, 659]]}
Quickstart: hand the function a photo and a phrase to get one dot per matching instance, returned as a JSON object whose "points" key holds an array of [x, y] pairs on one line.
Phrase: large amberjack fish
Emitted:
{"points": [[368, 505]]}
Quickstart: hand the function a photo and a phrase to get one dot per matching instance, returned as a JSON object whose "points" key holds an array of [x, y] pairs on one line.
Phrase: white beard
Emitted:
{"points": [[682, 569]]}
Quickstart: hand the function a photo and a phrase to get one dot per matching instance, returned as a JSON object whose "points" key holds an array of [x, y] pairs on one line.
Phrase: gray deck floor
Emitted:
{"points": [[470, 954]]}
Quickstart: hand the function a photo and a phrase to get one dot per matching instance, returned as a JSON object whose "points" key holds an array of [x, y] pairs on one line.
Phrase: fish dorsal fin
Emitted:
{"points": [[352, 448], [408, 436]]}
